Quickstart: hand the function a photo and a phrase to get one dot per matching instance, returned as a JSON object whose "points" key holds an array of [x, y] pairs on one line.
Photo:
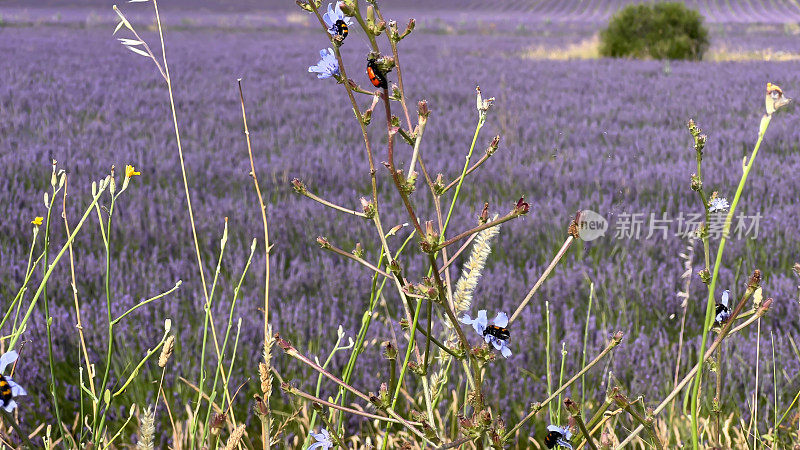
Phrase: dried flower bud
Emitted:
{"points": [[409, 28], [493, 145], [283, 343], [394, 267], [755, 280], [484, 217], [574, 228], [483, 104], [368, 207], [571, 406], [299, 187], [323, 242], [305, 6], [521, 208], [389, 351], [261, 406], [438, 184], [697, 183], [348, 7], [217, 420], [422, 110], [705, 276]]}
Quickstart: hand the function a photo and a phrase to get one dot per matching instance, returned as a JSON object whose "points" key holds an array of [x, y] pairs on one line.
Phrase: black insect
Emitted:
{"points": [[723, 310], [557, 436], [498, 332], [341, 28], [5, 392], [376, 76]]}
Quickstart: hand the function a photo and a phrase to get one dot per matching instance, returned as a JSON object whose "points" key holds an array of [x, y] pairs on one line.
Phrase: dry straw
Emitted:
{"points": [[147, 429]]}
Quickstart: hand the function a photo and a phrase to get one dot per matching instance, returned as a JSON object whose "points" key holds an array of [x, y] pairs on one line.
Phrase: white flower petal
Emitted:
{"points": [[482, 319], [7, 358], [501, 320], [16, 389]]}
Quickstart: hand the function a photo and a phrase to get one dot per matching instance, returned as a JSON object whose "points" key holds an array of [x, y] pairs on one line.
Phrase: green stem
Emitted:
{"points": [[463, 172], [49, 323], [717, 263], [15, 337]]}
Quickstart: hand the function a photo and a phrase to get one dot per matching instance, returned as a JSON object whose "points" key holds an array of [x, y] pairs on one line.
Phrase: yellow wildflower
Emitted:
{"points": [[130, 171], [37, 221]]}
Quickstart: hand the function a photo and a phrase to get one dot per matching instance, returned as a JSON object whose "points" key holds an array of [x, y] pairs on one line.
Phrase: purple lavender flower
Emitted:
{"points": [[328, 66], [8, 387], [723, 310], [718, 204], [336, 21], [495, 334], [323, 438], [557, 436]]}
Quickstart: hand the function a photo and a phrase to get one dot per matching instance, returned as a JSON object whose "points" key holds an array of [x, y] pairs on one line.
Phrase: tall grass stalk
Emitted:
{"points": [[710, 303], [585, 342]]}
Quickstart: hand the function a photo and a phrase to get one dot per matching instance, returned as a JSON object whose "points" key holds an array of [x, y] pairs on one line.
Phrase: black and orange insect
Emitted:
{"points": [[557, 437], [376, 76], [340, 27], [498, 332], [551, 439], [5, 391]]}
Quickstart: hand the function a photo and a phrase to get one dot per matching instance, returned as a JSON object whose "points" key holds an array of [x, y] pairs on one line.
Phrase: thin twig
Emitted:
{"points": [[294, 391], [291, 351], [477, 164], [723, 334], [615, 340], [556, 259], [327, 246], [511, 215]]}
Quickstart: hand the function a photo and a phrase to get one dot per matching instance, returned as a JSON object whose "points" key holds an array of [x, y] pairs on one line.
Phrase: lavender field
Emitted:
{"points": [[576, 134]]}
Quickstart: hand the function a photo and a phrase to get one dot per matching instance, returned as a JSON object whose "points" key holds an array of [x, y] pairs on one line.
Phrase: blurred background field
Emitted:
{"points": [[578, 132]]}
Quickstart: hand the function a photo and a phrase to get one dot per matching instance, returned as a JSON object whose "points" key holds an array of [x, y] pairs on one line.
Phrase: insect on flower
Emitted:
{"points": [[9, 389], [328, 66], [496, 334], [323, 438], [375, 74], [338, 24], [557, 436], [723, 310]]}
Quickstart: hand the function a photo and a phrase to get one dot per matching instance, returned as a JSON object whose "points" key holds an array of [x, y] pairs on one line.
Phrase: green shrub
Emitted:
{"points": [[660, 31]]}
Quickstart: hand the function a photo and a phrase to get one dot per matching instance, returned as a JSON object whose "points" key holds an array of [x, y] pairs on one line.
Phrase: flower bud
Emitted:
{"points": [[422, 110], [299, 187], [521, 208], [323, 242]]}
